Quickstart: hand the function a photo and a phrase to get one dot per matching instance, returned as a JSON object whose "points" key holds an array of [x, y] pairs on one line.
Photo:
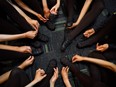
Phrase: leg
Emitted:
{"points": [[96, 8], [7, 28], [93, 68], [92, 14], [17, 78], [49, 71], [51, 3], [15, 16], [35, 5], [110, 54], [99, 73], [109, 26], [12, 55], [86, 81]]}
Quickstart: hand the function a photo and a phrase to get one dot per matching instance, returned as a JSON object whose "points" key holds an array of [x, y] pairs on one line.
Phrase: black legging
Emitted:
{"points": [[7, 9], [36, 5], [106, 29], [6, 55], [7, 27], [19, 78], [95, 9], [100, 74], [69, 8], [85, 80]]}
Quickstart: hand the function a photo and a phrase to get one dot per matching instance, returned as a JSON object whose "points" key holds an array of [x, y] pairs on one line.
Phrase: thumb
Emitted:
{"points": [[97, 44], [44, 76]]}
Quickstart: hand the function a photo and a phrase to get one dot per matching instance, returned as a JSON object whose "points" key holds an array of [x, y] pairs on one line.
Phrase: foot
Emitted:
{"points": [[49, 71], [69, 23], [35, 44], [43, 38], [52, 64], [65, 44], [50, 25], [36, 51], [65, 62]]}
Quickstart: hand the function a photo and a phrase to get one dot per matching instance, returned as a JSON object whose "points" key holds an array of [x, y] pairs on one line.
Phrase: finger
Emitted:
{"points": [[97, 44], [44, 76], [29, 57], [52, 9], [67, 69]]}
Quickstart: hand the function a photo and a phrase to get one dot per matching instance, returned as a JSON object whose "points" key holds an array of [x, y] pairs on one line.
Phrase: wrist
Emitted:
{"points": [[52, 84], [67, 83], [20, 66]]}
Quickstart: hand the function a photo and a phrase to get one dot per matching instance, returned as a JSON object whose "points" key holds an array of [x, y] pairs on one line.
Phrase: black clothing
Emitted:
{"points": [[108, 27], [85, 80], [19, 78], [101, 74], [95, 9]]}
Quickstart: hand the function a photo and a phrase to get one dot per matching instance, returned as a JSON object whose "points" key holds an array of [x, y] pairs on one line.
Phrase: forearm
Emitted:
{"points": [[102, 63], [21, 12], [44, 2], [31, 84], [4, 77], [7, 47], [52, 84], [58, 2], [25, 7], [67, 83], [84, 10], [4, 37], [15, 15]]}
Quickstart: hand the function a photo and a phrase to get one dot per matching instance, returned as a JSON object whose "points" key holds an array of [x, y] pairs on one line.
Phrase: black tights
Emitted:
{"points": [[7, 9], [101, 74], [107, 29], [71, 7], [36, 5], [85, 80], [6, 55], [17, 78], [95, 9]]}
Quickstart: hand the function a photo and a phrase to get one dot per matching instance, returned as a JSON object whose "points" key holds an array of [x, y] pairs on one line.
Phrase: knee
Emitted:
{"points": [[100, 4], [93, 54], [16, 71]]}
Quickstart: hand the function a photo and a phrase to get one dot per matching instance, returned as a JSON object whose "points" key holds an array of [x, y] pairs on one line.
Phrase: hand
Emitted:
{"points": [[41, 18], [77, 58], [27, 62], [40, 74], [25, 49], [55, 76], [89, 33], [34, 23], [102, 48], [64, 73], [46, 13], [73, 25], [31, 34], [54, 9]]}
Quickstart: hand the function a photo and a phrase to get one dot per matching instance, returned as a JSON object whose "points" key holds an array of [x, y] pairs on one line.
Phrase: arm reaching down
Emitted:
{"points": [[100, 62]]}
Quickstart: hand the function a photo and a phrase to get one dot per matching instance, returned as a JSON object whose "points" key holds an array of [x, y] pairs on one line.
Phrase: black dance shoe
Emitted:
{"points": [[50, 68], [36, 51], [50, 25], [65, 44], [35, 44], [65, 62], [42, 37], [69, 24]]}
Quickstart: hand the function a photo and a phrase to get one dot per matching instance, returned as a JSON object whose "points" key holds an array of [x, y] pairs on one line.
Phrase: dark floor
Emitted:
{"points": [[52, 50]]}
